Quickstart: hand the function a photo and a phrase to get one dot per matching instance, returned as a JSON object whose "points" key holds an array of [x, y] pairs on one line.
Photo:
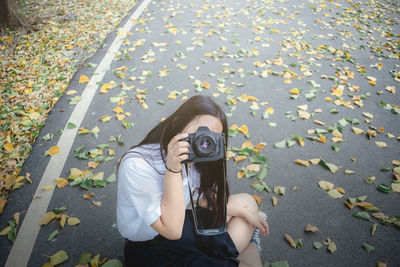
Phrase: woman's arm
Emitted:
{"points": [[236, 210], [170, 223]]}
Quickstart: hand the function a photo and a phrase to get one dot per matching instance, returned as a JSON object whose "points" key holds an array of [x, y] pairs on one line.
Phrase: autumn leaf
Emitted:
{"points": [[290, 240], [48, 217], [54, 150], [83, 79], [73, 221], [311, 228]]}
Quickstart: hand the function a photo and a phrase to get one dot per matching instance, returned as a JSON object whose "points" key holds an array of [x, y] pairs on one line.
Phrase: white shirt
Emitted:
{"points": [[140, 191]]}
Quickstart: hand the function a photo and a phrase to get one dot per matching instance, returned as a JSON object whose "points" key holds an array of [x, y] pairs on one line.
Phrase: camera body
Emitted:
{"points": [[205, 145]]}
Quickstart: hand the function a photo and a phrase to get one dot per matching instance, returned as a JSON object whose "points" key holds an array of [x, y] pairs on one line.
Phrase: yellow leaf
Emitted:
{"points": [[99, 176], [326, 185], [290, 240], [5, 230], [381, 144], [274, 201], [357, 130], [71, 92], [48, 217], [314, 161], [105, 118], [328, 99], [61, 182], [48, 187], [63, 219], [302, 162], [83, 79], [118, 110], [240, 174], [9, 147], [97, 203], [73, 221], [372, 83], [270, 111], [93, 164], [54, 150], [252, 98], [120, 117], [205, 85], [88, 196], [253, 167], [240, 158], [340, 190], [337, 91], [234, 127], [258, 199], [243, 129], [322, 139], [295, 91], [247, 144]]}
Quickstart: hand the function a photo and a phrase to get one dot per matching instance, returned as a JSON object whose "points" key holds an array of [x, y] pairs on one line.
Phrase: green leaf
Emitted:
{"points": [[103, 146], [232, 133], [281, 144], [76, 182], [279, 264], [373, 228], [335, 147], [52, 235], [48, 137], [58, 257], [99, 183], [127, 124], [59, 210], [113, 263], [331, 167], [263, 172], [279, 190], [317, 245], [84, 258], [384, 188], [258, 159], [368, 247], [70, 125], [362, 198], [112, 178], [12, 234], [86, 184], [290, 143], [362, 215]]}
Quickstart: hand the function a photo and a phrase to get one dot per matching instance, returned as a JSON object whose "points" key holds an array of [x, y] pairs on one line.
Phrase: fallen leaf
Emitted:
{"points": [[61, 182], [48, 217], [58, 257], [73, 221], [290, 240], [274, 201], [302, 162], [311, 228], [332, 247], [358, 131], [334, 194], [326, 185], [258, 199], [243, 129], [381, 144], [54, 150], [83, 79]]}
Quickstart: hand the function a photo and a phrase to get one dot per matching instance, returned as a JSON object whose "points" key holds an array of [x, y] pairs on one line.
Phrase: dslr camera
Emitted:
{"points": [[205, 145]]}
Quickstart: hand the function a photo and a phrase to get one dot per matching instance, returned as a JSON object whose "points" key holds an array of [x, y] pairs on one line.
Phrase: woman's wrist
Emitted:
{"points": [[172, 170]]}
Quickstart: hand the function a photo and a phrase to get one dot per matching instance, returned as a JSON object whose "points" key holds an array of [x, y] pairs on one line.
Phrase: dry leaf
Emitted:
{"points": [[240, 174], [381, 144], [73, 221], [290, 240], [253, 167], [97, 203], [358, 131], [83, 79], [240, 158], [54, 150], [274, 201], [314, 161], [326, 185], [61, 182], [302, 162], [48, 217], [63, 220], [258, 199], [311, 228], [243, 129]]}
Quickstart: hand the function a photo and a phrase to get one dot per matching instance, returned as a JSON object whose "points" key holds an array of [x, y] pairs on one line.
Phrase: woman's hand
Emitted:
{"points": [[258, 221], [178, 151]]}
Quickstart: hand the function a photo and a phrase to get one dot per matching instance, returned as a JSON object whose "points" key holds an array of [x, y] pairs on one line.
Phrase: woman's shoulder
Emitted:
{"points": [[148, 154]]}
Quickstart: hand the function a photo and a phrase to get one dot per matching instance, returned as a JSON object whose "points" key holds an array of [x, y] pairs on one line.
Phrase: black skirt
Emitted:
{"points": [[190, 250]]}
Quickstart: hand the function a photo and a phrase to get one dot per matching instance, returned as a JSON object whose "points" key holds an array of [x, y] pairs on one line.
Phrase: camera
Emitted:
{"points": [[205, 145]]}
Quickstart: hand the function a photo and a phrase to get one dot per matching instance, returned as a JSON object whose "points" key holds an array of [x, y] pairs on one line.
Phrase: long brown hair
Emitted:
{"points": [[212, 174]]}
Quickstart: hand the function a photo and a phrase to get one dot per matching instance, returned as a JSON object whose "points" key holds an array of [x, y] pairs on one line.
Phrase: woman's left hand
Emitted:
{"points": [[259, 222]]}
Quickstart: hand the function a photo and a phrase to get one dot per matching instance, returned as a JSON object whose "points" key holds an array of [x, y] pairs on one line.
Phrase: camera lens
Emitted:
{"points": [[204, 145]]}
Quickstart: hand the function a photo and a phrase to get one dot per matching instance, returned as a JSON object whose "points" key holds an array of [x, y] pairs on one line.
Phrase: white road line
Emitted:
{"points": [[26, 238]]}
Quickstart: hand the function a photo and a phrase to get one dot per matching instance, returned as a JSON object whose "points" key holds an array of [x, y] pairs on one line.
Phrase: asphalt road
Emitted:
{"points": [[263, 49]]}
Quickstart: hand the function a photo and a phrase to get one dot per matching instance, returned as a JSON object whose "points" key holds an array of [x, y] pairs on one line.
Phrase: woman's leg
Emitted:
{"points": [[241, 232]]}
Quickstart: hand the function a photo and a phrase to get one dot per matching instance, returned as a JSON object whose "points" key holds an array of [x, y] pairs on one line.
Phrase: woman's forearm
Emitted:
{"points": [[173, 206]]}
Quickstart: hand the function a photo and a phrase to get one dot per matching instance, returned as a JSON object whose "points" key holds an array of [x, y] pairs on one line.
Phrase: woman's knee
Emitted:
{"points": [[245, 200]]}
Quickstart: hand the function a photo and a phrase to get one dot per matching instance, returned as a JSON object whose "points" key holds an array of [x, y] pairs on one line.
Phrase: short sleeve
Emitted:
{"points": [[141, 187]]}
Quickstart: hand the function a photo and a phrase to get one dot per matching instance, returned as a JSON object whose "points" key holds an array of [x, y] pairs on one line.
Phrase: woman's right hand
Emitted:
{"points": [[178, 151]]}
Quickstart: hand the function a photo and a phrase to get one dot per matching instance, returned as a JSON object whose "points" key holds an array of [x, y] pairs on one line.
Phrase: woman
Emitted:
{"points": [[153, 195]]}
